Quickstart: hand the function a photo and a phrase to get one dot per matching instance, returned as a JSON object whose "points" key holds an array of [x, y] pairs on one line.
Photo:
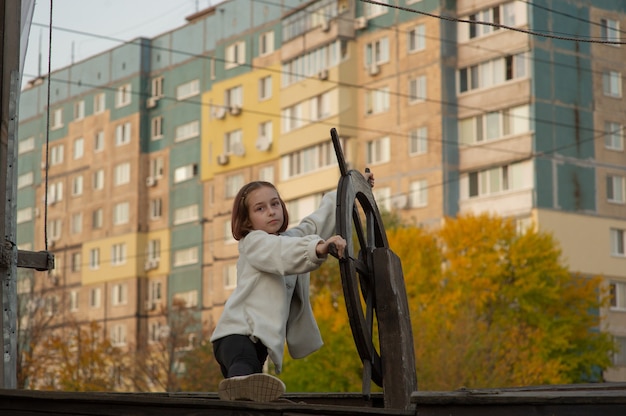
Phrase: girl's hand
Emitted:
{"points": [[369, 177], [322, 248]]}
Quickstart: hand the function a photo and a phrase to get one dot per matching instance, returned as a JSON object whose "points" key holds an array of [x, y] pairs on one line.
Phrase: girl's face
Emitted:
{"points": [[265, 210]]}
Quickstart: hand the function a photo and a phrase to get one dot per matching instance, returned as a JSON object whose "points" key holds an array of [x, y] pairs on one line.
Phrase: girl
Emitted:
{"points": [[270, 304]]}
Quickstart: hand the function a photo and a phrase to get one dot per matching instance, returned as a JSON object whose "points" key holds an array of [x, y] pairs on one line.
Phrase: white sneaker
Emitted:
{"points": [[258, 387]]}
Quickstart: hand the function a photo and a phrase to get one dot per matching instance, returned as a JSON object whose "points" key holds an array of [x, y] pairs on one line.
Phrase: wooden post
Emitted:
{"points": [[10, 18]]}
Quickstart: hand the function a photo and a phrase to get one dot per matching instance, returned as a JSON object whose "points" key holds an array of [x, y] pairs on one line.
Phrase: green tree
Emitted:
{"points": [[202, 372]]}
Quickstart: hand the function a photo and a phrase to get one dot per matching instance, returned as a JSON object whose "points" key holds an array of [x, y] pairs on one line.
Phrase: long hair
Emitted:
{"points": [[240, 221]]}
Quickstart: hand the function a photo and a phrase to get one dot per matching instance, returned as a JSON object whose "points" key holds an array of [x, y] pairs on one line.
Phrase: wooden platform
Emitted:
{"points": [[607, 399]]}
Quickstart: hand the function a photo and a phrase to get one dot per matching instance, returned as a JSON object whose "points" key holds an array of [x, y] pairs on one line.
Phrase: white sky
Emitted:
{"points": [[119, 19]]}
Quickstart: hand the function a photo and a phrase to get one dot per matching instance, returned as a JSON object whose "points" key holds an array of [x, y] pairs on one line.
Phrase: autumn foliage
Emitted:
{"points": [[490, 307]]}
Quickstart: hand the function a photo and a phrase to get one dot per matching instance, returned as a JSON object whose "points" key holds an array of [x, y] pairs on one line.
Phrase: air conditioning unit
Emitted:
{"points": [[235, 110], [360, 23], [323, 74], [151, 264], [152, 102], [150, 181], [374, 69], [222, 159], [263, 143], [219, 112], [238, 149]]}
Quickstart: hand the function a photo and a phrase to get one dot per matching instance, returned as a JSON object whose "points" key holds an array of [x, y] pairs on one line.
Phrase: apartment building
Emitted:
{"points": [[150, 141]]}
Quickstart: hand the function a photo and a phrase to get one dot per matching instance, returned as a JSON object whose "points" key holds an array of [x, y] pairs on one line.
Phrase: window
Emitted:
{"points": [[51, 305], [612, 84], [511, 14], [154, 291], [188, 89], [265, 137], [266, 43], [378, 151], [617, 242], [76, 223], [26, 145], [292, 118], [118, 254], [157, 87], [56, 119], [233, 184], [497, 180], [119, 294], [615, 189], [156, 168], [232, 140], [417, 39], [56, 155], [55, 192], [373, 10], [77, 185], [74, 301], [187, 131], [377, 52], [94, 261], [98, 180], [54, 229], [228, 233], [494, 125], [99, 103], [154, 249], [79, 110], [320, 107], [156, 131], [186, 256], [186, 214], [25, 180], [24, 215], [377, 101], [617, 292], [383, 198], [121, 174], [266, 174], [120, 213], [493, 72], [418, 196], [79, 148], [613, 136], [189, 299], [417, 89], [156, 208], [186, 172], [235, 55], [619, 357], [122, 134], [418, 141], [76, 261], [97, 218], [233, 97], [610, 30], [118, 335], [265, 88], [308, 160], [123, 96], [230, 276], [98, 141], [313, 62]]}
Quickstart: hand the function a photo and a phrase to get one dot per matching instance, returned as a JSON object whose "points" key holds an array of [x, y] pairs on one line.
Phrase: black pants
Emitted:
{"points": [[237, 355]]}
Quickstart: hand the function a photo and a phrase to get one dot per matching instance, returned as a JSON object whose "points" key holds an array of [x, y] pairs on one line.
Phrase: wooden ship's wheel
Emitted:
{"points": [[374, 291]]}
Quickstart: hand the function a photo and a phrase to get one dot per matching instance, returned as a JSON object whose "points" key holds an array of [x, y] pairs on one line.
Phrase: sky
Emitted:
{"points": [[118, 19]]}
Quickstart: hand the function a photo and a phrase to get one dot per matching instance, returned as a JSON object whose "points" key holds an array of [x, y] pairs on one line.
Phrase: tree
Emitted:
{"points": [[202, 372], [494, 308], [83, 358], [158, 365]]}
